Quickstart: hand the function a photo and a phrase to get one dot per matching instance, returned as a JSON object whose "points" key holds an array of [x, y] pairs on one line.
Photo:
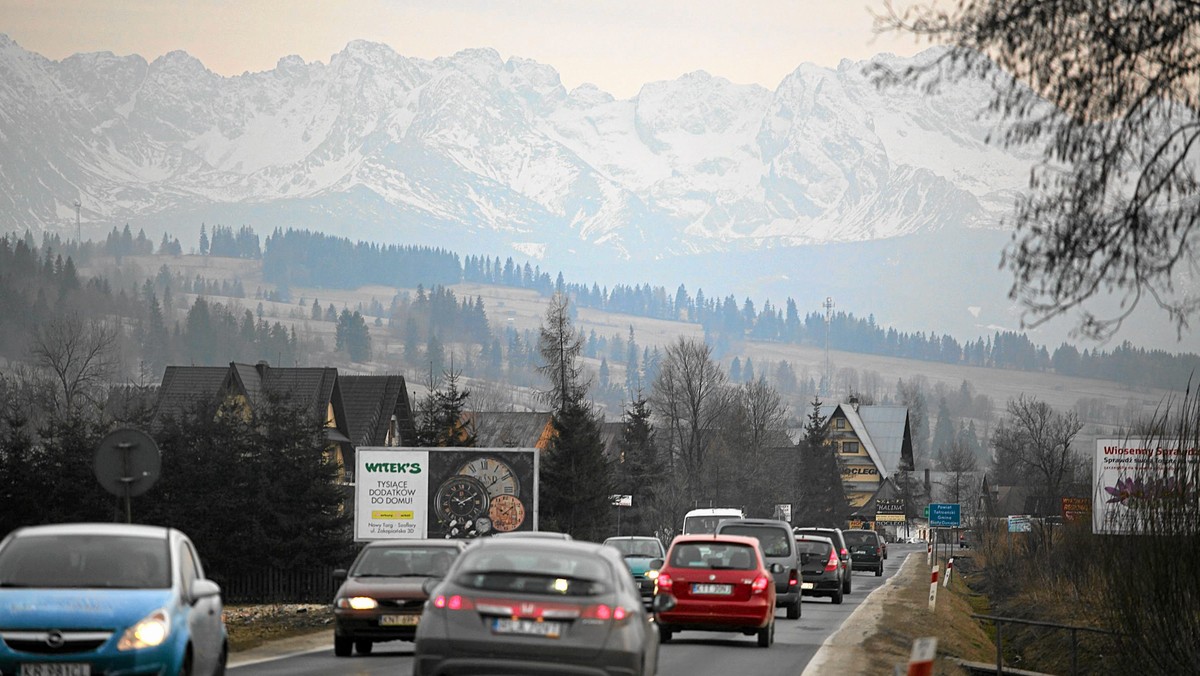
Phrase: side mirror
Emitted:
{"points": [[662, 603], [340, 573], [429, 585], [202, 589], [654, 564], [777, 568]]}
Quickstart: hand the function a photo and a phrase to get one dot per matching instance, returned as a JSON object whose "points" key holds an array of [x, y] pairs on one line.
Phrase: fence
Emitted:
{"points": [[999, 622], [270, 585]]}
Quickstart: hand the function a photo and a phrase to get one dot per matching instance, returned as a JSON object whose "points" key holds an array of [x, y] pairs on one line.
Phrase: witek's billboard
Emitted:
{"points": [[444, 492]]}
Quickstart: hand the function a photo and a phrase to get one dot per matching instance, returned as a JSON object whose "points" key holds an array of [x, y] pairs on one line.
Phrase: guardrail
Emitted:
{"points": [[1000, 621]]}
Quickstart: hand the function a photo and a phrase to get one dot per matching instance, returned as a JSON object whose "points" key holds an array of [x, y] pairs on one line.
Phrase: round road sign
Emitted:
{"points": [[127, 462]]}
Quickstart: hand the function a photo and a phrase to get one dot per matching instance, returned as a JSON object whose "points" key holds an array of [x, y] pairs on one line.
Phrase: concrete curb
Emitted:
{"points": [[272, 650], [843, 645]]}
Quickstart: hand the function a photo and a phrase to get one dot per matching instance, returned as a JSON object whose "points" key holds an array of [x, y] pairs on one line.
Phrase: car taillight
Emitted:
{"points": [[760, 584], [833, 563], [793, 578], [878, 551], [844, 553], [603, 612], [454, 602], [663, 583]]}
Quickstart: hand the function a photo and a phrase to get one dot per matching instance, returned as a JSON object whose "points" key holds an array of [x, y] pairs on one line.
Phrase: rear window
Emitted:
{"points": [[811, 547], [858, 537], [528, 571], [86, 561], [832, 535], [403, 561], [713, 555], [774, 541]]}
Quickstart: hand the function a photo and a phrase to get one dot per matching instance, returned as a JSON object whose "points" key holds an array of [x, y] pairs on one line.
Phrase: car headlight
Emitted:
{"points": [[149, 632], [652, 575], [357, 602]]}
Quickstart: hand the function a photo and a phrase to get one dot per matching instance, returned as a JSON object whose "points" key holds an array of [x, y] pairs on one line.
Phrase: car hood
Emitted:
{"points": [[78, 608], [408, 586], [638, 565]]}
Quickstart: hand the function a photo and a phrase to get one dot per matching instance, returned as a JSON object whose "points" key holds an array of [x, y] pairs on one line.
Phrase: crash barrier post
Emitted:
{"points": [[999, 622], [949, 569], [933, 587], [920, 661]]}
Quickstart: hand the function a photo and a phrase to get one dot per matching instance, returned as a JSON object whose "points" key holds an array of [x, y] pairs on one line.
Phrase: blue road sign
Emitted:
{"points": [[945, 515]]}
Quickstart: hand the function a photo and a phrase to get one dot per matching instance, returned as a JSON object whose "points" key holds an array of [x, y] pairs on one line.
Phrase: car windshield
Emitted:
{"points": [[531, 571], [774, 541], [403, 561], [645, 547], [86, 561], [713, 555]]}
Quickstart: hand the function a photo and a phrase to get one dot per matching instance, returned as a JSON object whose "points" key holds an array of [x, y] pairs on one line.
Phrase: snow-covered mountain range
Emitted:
{"points": [[889, 200], [375, 144]]}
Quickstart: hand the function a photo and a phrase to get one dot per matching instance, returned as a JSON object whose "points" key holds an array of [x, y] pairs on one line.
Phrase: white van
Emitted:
{"points": [[703, 521]]}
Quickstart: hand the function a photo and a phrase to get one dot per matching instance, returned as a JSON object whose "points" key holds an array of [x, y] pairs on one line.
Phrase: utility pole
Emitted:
{"points": [[828, 305]]}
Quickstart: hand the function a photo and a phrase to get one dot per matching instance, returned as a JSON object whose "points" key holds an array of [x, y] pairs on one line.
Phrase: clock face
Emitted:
{"points": [[461, 497], [507, 513], [493, 473]]}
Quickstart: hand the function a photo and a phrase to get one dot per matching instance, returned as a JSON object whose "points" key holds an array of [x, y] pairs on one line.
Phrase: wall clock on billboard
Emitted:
{"points": [[461, 498], [493, 473], [507, 513]]}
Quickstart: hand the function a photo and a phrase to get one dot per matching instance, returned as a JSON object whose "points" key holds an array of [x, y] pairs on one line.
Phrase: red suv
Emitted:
{"points": [[720, 583]]}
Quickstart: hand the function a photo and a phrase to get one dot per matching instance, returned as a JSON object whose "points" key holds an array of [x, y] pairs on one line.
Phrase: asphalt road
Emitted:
{"points": [[688, 654]]}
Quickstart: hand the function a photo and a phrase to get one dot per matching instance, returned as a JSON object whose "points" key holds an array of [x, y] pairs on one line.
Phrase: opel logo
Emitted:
{"points": [[711, 578], [55, 639]]}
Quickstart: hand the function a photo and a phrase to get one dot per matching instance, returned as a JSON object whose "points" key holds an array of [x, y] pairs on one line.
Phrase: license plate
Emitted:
{"points": [[525, 627], [398, 620], [807, 585], [56, 669], [712, 589]]}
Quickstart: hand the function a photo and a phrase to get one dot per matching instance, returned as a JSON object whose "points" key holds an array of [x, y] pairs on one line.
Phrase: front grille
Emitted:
{"points": [[401, 604], [54, 642]]}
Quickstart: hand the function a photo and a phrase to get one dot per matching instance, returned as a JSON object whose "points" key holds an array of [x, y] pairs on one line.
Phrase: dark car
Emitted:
{"points": [[820, 567], [104, 598], [382, 595], [719, 583], [643, 555], [537, 606], [834, 534], [866, 550], [775, 540]]}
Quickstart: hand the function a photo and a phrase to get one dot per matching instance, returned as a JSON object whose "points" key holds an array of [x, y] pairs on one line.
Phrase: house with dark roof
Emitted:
{"points": [[378, 410], [873, 443], [314, 388], [512, 429]]}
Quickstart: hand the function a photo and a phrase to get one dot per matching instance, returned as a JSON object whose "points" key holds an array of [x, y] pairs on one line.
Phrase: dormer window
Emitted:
{"points": [[839, 424]]}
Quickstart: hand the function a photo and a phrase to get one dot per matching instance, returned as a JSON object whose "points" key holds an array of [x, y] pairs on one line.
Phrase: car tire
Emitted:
{"points": [[766, 635], [846, 585], [363, 646], [185, 669], [879, 570], [793, 611], [664, 634], [222, 660], [837, 596], [342, 646]]}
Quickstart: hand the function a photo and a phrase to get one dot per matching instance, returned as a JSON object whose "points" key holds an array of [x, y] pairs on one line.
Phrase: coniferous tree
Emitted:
{"points": [[576, 477], [639, 472], [822, 497]]}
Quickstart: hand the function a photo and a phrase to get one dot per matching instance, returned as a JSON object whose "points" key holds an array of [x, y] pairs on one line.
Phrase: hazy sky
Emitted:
{"points": [[616, 44]]}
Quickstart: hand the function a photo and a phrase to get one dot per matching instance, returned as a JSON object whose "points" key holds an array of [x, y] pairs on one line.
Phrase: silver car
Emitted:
{"points": [[536, 606]]}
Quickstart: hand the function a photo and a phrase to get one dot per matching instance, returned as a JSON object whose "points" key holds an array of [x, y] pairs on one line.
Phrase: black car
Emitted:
{"points": [[820, 567], [834, 534], [866, 550]]}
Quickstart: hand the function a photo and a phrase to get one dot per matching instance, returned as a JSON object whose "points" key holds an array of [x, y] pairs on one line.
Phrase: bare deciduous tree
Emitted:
{"points": [[80, 354], [689, 397], [1037, 439], [1113, 204]]}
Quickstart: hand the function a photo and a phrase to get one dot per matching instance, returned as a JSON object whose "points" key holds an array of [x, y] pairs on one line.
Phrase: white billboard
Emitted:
{"points": [[452, 493], [1132, 475]]}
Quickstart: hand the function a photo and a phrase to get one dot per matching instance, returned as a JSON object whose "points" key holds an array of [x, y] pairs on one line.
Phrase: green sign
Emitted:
{"points": [[925, 514]]}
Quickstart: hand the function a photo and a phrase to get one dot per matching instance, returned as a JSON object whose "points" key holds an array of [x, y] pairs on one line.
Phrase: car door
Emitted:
{"points": [[203, 616]]}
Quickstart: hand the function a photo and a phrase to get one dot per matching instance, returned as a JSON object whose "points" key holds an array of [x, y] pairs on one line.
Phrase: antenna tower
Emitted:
{"points": [[828, 305], [78, 230]]}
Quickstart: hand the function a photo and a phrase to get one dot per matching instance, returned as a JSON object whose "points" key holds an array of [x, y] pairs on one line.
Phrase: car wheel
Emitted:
{"points": [[664, 634], [793, 611], [846, 585], [766, 635], [879, 570], [185, 669], [342, 645], [222, 660], [363, 647]]}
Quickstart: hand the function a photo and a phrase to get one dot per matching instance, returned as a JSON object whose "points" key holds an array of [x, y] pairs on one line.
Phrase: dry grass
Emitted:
{"points": [[250, 626]]}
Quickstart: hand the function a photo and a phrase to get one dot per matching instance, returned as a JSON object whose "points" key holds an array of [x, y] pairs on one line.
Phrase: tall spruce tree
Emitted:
{"points": [[821, 499], [639, 471]]}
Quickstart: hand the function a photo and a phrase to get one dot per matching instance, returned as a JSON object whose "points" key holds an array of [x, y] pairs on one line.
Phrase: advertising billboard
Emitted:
{"points": [[1134, 480], [458, 493], [890, 511]]}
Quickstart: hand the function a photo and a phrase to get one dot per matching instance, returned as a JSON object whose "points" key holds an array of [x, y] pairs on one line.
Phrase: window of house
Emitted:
{"points": [[850, 447], [839, 424]]}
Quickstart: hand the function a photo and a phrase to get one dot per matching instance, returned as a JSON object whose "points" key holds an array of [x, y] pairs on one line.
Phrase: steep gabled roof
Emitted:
{"points": [[888, 426], [370, 402], [864, 436], [183, 386], [509, 429]]}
